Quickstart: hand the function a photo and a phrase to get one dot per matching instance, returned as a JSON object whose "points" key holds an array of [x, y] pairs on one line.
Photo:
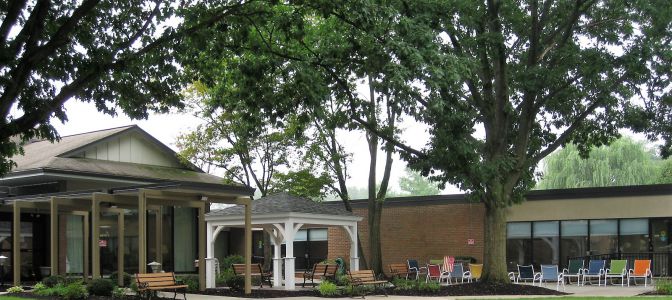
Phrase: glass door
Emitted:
{"points": [[661, 246]]}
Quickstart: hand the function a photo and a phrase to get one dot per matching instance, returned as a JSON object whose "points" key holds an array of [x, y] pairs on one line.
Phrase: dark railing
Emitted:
{"points": [[661, 262]]}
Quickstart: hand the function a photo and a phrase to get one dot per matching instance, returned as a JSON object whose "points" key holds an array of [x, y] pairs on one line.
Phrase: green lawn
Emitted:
{"points": [[12, 298], [588, 298]]}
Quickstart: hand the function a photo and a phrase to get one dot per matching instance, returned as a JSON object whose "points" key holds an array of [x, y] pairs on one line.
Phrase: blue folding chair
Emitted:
{"points": [[595, 269], [549, 273]]}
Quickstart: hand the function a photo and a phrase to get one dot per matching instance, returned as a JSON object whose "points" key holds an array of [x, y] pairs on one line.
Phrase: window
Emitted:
{"points": [[518, 244], [574, 241], [603, 236], [546, 242], [634, 235]]}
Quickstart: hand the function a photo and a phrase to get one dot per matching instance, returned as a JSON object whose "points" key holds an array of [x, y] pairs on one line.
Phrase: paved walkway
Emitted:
{"points": [[583, 291]]}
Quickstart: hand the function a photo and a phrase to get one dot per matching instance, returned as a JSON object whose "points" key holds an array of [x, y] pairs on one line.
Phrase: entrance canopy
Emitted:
{"points": [[282, 215], [91, 204]]}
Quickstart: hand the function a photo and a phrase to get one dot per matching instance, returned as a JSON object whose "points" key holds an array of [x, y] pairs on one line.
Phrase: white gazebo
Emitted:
{"points": [[281, 215]]}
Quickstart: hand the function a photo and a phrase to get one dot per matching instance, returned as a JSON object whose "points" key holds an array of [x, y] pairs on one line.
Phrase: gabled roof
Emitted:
{"points": [[282, 203], [41, 153], [61, 157]]}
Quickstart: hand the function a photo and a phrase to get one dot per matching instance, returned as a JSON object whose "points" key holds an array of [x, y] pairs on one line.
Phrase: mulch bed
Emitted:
{"points": [[467, 289]]}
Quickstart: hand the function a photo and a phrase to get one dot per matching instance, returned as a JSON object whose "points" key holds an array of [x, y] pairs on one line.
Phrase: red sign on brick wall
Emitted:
{"points": [[102, 243], [471, 242]]}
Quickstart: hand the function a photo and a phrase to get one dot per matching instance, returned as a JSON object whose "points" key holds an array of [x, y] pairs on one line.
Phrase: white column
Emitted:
{"points": [[210, 263], [354, 258], [276, 240], [289, 256]]}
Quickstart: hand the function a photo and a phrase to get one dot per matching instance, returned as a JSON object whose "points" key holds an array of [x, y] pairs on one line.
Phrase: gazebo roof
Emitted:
{"points": [[283, 203]]}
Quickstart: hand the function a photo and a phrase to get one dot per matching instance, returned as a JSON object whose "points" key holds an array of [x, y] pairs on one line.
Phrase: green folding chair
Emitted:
{"points": [[617, 269], [574, 269]]}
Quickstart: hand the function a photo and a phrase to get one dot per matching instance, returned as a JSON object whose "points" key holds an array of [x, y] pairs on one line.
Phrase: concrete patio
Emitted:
{"points": [[581, 291]]}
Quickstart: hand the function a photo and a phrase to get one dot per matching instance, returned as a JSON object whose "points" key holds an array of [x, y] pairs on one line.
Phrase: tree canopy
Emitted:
{"points": [[624, 162], [413, 183], [500, 84], [119, 55]]}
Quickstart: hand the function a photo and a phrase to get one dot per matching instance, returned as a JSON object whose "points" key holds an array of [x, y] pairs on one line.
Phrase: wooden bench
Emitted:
{"points": [[400, 270], [153, 282], [239, 270], [319, 270], [367, 277]]}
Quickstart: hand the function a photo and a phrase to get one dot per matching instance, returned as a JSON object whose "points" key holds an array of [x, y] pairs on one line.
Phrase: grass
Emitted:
{"points": [[589, 298], [12, 298]]}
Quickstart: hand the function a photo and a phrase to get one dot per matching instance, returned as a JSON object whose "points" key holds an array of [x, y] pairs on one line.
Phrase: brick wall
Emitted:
{"points": [[419, 231]]}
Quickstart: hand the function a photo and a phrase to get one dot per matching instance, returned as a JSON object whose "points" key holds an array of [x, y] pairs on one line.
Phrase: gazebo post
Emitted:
{"points": [[289, 256], [95, 236], [210, 254], [201, 247], [142, 232], [354, 257], [276, 240]]}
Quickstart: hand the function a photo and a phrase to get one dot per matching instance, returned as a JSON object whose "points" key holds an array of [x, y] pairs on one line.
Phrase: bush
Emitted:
{"points": [[664, 286], [328, 289], [342, 279], [39, 287], [191, 281], [15, 290], [75, 290], [100, 287], [52, 281], [118, 293], [127, 278], [405, 285], [431, 287], [230, 260], [134, 287], [236, 283], [466, 259]]}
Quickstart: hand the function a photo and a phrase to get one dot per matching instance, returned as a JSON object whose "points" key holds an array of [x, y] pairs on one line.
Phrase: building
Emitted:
{"points": [[74, 207], [550, 227]]}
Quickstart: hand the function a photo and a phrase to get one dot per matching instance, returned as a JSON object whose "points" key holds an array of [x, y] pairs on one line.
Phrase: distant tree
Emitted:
{"points": [[665, 175], [301, 183], [414, 184], [624, 162]]}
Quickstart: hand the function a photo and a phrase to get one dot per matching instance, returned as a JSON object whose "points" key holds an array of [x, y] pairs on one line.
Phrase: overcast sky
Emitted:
{"points": [[84, 117]]}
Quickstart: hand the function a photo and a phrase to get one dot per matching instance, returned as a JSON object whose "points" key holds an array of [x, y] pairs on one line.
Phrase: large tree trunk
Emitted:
{"points": [[374, 238], [494, 256]]}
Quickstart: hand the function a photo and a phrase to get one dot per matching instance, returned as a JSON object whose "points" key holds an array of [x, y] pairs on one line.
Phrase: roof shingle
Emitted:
{"points": [[283, 203]]}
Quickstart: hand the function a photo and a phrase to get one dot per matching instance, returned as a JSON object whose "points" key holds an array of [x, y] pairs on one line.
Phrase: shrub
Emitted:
{"points": [[328, 289], [405, 285], [342, 279], [39, 287], [431, 287], [100, 287], [191, 281], [664, 286], [236, 283], [15, 290], [134, 287], [230, 260], [75, 290], [467, 259], [127, 278], [51, 281], [118, 293]]}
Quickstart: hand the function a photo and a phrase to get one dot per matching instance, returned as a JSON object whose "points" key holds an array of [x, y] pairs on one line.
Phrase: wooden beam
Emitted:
{"points": [[248, 248], [16, 243], [142, 232], [120, 249], [53, 216], [202, 240], [95, 234], [171, 202], [158, 239], [87, 245]]}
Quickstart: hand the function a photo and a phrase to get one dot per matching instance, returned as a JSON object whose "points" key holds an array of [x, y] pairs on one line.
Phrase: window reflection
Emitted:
{"points": [[634, 235], [603, 236], [518, 244], [545, 240]]}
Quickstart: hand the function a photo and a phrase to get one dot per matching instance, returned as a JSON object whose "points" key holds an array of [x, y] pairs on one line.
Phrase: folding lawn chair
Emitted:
{"points": [[549, 273], [574, 269], [413, 267], [595, 269], [526, 273], [617, 269], [475, 272], [642, 270]]}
